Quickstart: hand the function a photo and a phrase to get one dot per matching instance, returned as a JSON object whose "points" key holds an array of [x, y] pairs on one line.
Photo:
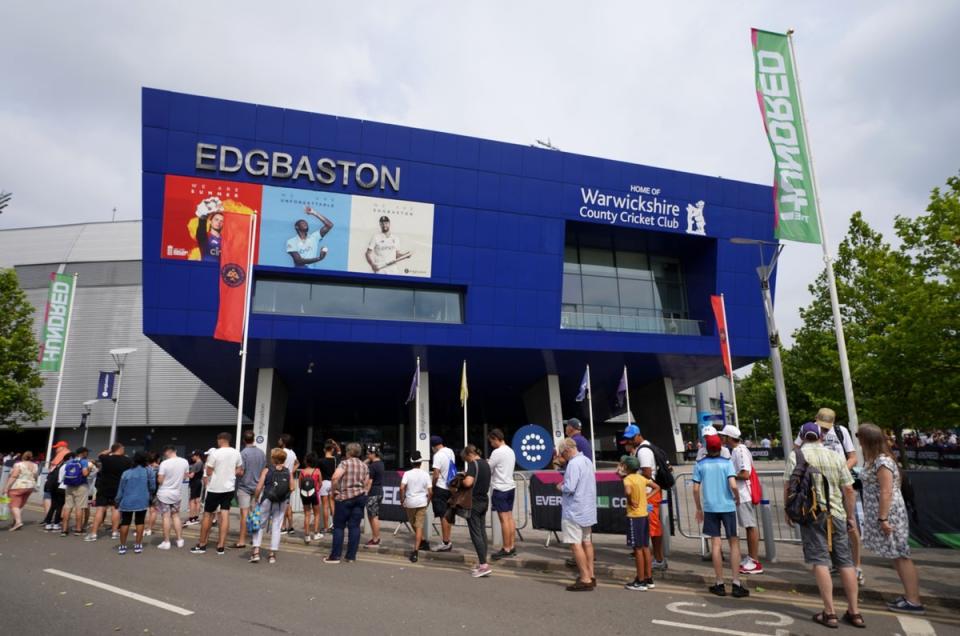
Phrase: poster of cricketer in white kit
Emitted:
{"points": [[391, 237]]}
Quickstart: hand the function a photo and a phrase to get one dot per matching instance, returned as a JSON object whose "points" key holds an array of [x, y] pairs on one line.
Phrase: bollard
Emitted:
{"points": [[666, 521], [769, 541], [496, 534]]}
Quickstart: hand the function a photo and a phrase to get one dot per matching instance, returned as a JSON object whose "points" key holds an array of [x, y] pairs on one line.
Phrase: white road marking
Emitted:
{"points": [[780, 620], [121, 592], [913, 626], [714, 630]]}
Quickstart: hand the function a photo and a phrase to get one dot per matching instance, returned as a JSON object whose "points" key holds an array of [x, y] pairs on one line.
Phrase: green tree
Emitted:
{"points": [[19, 377]]}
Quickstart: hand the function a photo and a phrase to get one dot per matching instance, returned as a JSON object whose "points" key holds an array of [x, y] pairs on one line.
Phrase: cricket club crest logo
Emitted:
{"points": [[696, 223], [232, 275]]}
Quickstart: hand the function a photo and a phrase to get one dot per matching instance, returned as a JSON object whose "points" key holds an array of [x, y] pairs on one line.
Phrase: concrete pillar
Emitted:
{"points": [[422, 439], [701, 394], [270, 409]]}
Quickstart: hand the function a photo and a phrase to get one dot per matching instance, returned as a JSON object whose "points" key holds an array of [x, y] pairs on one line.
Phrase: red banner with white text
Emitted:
{"points": [[720, 313]]}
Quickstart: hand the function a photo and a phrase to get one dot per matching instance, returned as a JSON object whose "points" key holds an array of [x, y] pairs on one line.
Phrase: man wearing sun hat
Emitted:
{"points": [[746, 514]]}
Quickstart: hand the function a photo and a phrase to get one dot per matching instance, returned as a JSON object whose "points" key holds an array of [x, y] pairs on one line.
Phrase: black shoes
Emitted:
{"points": [[739, 591], [503, 554], [718, 589], [414, 556]]}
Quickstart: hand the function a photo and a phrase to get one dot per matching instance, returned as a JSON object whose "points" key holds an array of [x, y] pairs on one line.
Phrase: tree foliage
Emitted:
{"points": [[901, 314], [19, 377]]}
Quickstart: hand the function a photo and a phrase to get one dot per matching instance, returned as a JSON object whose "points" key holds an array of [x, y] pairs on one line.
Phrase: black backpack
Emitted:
{"points": [[308, 485], [802, 504], [276, 487], [664, 477]]}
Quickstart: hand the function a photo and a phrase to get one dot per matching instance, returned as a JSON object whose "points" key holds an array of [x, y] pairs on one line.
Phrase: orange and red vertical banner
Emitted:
{"points": [[236, 267], [720, 313]]}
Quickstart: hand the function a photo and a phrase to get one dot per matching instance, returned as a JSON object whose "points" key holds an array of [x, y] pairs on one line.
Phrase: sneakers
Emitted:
{"points": [[221, 550], [317, 536], [291, 531], [198, 549], [78, 533], [372, 543], [64, 533], [718, 589], [650, 584], [179, 543], [137, 548], [56, 527], [90, 538], [414, 556], [444, 546], [659, 565], [903, 606], [164, 545], [739, 591], [192, 521], [481, 571], [114, 535], [121, 549], [48, 527], [751, 566], [147, 532], [636, 585], [331, 560], [503, 554], [306, 539]]}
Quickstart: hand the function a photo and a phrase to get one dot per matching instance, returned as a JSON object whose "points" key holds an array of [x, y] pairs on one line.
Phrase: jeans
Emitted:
{"points": [[476, 523], [347, 514], [58, 497], [272, 512]]}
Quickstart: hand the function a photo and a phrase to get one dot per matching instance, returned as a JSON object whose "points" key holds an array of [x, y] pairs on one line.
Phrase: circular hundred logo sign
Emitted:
{"points": [[533, 446], [232, 275]]}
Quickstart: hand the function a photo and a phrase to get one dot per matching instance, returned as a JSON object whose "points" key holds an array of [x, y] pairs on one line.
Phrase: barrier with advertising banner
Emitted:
{"points": [[390, 508], [545, 502], [775, 452]]}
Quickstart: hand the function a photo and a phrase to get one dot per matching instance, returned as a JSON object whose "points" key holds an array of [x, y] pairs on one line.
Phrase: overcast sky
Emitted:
{"points": [[652, 83]]}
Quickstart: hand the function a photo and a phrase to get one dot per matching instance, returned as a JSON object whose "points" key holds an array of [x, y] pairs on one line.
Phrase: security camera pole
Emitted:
{"points": [[119, 357]]}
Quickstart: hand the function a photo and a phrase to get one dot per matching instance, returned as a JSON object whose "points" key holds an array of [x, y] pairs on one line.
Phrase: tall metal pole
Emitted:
{"points": [[776, 365], [116, 403], [466, 397], [246, 324], [852, 418], [63, 366], [626, 392], [593, 448]]}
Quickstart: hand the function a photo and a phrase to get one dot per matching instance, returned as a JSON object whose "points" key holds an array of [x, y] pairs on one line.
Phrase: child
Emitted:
{"points": [[137, 487], [310, 481], [635, 485]]}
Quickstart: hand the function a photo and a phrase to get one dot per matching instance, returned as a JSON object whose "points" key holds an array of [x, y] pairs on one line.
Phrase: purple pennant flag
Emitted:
{"points": [[582, 394], [622, 388], [414, 385]]}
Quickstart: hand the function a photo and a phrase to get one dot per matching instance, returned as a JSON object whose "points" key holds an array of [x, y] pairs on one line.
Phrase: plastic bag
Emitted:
{"points": [[4, 508]]}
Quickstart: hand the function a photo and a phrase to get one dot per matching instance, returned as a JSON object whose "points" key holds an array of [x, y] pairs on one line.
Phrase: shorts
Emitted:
{"points": [[19, 496], [502, 500], [746, 515], [196, 489], [136, 516], [713, 520], [163, 507], [221, 500], [575, 533], [325, 487], [310, 502], [638, 532], [815, 550], [440, 498], [653, 512], [373, 505], [416, 517], [76, 497], [243, 498], [106, 498]]}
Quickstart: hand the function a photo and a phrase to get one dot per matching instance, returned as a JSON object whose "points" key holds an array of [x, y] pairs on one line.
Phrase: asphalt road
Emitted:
{"points": [[378, 594]]}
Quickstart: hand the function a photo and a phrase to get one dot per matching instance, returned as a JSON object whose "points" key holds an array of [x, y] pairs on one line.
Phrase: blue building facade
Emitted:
{"points": [[532, 264]]}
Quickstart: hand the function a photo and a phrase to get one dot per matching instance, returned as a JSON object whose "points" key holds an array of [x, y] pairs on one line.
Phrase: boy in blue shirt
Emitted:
{"points": [[715, 479]]}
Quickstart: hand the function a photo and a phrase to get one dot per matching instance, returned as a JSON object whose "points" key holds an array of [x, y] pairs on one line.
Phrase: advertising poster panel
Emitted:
{"points": [[193, 215], [391, 237], [304, 229]]}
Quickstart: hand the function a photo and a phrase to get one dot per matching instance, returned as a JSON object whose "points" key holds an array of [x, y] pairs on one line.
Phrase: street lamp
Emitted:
{"points": [[119, 357], [87, 406], [765, 271]]}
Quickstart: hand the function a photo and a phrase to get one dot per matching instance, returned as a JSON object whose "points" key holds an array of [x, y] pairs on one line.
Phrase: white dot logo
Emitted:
{"points": [[532, 447]]}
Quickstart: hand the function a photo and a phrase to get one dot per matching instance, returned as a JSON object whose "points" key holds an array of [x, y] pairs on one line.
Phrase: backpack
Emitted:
{"points": [[276, 487], [451, 471], [73, 473], [802, 505], [664, 477], [308, 485], [756, 490]]}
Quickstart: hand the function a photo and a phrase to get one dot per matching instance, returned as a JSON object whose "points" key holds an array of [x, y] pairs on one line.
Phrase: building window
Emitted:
{"points": [[685, 400], [357, 300], [613, 282]]}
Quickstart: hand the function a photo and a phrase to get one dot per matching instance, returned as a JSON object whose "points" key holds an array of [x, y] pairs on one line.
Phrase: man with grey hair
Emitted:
{"points": [[579, 511], [350, 481]]}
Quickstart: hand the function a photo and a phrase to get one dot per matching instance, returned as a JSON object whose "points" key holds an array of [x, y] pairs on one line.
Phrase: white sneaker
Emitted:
{"points": [[90, 537], [481, 571], [147, 532], [317, 536], [165, 545], [115, 535], [179, 543]]}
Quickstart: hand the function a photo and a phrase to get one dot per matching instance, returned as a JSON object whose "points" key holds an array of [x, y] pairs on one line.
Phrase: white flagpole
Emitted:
{"points": [[733, 388], [63, 365], [626, 392], [466, 398], [246, 324], [593, 449], [852, 419], [416, 408]]}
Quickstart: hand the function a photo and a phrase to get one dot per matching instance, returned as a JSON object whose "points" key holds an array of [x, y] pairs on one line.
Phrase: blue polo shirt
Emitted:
{"points": [[713, 474]]}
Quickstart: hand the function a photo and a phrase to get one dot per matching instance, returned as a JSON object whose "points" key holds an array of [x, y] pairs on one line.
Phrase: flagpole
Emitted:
{"points": [[593, 450], [733, 389], [466, 397], [246, 324], [416, 408], [852, 419], [63, 365], [626, 392]]}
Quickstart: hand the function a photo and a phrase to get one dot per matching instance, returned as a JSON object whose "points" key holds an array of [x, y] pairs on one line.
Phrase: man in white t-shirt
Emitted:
{"points": [[291, 464], [223, 466], [416, 491], [304, 248], [746, 513], [444, 464], [383, 250], [502, 462], [170, 478]]}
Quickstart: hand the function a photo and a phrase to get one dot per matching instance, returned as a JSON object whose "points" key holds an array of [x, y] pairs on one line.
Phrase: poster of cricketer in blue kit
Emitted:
{"points": [[304, 229]]}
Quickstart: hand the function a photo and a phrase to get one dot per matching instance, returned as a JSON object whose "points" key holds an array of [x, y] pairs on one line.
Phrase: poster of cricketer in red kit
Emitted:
{"points": [[197, 213]]}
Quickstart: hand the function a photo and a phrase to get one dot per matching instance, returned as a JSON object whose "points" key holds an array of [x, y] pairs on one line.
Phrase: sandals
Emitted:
{"points": [[827, 620], [255, 557], [238, 546], [854, 619]]}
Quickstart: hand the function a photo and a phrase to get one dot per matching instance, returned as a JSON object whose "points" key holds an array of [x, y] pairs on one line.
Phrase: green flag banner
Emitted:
{"points": [[56, 321], [779, 97]]}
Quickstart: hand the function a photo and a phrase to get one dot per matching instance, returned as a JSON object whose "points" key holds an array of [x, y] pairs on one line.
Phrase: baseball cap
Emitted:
{"points": [[709, 430], [384, 218], [416, 457], [631, 462], [825, 417], [810, 430], [436, 439], [731, 431], [60, 444], [574, 422], [713, 443], [631, 431]]}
